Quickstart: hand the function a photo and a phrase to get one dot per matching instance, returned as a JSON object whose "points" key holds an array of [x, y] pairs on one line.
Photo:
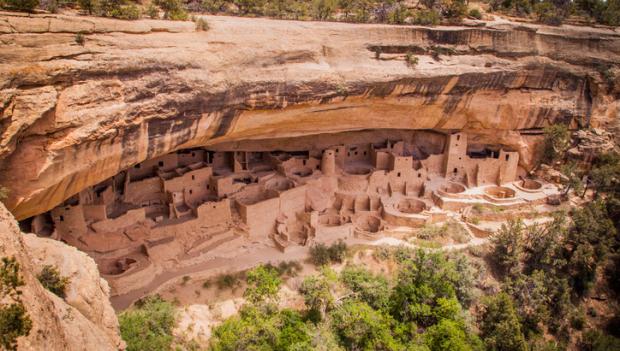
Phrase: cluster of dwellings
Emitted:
{"points": [[186, 198]]}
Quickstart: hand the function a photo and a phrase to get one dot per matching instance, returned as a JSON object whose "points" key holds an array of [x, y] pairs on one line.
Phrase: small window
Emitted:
{"points": [[398, 174], [507, 157], [460, 158], [304, 162], [208, 187], [337, 150], [458, 137], [137, 166], [419, 175], [193, 154], [161, 163], [364, 153], [193, 177], [348, 154], [317, 166], [190, 191], [356, 152], [455, 170], [62, 218]]}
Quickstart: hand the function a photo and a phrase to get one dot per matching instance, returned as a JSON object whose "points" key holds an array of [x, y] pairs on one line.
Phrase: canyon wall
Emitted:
{"points": [[73, 115]]}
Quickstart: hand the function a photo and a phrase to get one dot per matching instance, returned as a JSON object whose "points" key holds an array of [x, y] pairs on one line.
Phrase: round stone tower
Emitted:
{"points": [[328, 162]]}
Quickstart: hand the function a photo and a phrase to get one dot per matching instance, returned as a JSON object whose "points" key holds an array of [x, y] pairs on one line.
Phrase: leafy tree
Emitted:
{"points": [[421, 281], [557, 138], [359, 327], [51, 279], [500, 327], [149, 325], [449, 335], [587, 244], [321, 254], [317, 295], [532, 299], [594, 340], [369, 288], [262, 328], [508, 246], [426, 17], [263, 284]]}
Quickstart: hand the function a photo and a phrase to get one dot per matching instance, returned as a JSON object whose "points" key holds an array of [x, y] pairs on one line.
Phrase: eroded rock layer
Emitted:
{"points": [[74, 115]]}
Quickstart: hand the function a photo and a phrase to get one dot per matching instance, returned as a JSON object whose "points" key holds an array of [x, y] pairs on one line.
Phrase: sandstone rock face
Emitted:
{"points": [[60, 324], [137, 90], [87, 292]]}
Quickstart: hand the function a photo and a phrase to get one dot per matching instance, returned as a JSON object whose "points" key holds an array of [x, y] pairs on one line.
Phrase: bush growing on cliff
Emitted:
{"points": [[14, 319], [173, 9], [148, 326], [20, 5], [51, 279], [556, 142]]}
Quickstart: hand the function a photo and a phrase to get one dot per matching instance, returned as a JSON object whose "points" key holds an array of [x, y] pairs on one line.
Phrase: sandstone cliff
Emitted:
{"points": [[73, 115], [85, 320]]}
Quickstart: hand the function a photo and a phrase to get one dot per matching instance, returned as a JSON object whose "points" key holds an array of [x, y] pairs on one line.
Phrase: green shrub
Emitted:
{"points": [[90, 6], [21, 5], [152, 11], [500, 326], [227, 281], [263, 284], [212, 6], [475, 13], [373, 290], [317, 296], [14, 322], [411, 60], [359, 327], [149, 325], [323, 9], [202, 24], [426, 18], [321, 254], [262, 328], [14, 318], [547, 13], [79, 38], [173, 9], [127, 12], [51, 279]]}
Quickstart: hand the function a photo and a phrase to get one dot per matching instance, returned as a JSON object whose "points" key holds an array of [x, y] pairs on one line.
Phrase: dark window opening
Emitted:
{"points": [[190, 191], [193, 154], [356, 152], [398, 174], [62, 218], [364, 153], [458, 137], [193, 177], [161, 163], [455, 170], [137, 166], [419, 175], [507, 157]]}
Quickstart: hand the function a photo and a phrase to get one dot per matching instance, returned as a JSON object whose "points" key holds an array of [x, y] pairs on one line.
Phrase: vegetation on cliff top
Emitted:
{"points": [[425, 12]]}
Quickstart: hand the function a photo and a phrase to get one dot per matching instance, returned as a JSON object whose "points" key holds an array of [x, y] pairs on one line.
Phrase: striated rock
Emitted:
{"points": [[56, 324], [140, 89]]}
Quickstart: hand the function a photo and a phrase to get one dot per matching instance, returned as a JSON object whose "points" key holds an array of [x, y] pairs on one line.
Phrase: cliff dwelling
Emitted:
{"points": [[184, 207]]}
